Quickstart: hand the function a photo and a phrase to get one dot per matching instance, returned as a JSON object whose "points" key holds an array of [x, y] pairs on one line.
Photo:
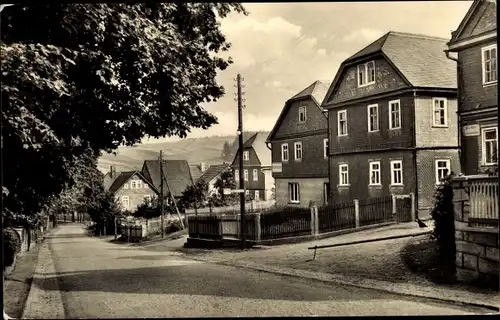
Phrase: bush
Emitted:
{"points": [[11, 246], [444, 227]]}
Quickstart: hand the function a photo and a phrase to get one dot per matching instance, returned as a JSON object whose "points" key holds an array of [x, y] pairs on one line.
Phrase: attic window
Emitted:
{"points": [[302, 114], [366, 74], [246, 155]]}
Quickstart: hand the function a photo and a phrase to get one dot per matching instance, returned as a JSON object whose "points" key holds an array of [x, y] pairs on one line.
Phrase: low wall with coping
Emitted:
{"points": [[477, 255]]}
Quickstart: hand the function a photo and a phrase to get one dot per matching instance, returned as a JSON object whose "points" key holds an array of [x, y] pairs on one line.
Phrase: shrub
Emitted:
{"points": [[444, 227], [11, 246]]}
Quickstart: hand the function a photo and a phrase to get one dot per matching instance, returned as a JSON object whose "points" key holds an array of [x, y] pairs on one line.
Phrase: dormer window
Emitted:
{"points": [[366, 74], [302, 114]]}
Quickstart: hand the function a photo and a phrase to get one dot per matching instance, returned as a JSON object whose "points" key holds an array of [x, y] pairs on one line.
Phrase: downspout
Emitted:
{"points": [[415, 153], [459, 102]]}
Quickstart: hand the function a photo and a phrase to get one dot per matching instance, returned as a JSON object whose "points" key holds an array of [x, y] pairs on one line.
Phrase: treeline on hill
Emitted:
{"points": [[69, 94]]}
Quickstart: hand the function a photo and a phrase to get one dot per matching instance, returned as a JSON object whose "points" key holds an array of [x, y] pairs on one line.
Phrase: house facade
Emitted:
{"points": [[392, 120], [258, 179], [131, 189], [211, 175], [299, 144], [475, 43]]}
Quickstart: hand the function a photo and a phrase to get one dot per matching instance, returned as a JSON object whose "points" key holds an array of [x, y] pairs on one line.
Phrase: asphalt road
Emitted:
{"points": [[98, 279]]}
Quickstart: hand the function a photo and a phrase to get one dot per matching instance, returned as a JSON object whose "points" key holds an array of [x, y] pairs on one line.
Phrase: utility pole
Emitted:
{"points": [[240, 153], [161, 196]]}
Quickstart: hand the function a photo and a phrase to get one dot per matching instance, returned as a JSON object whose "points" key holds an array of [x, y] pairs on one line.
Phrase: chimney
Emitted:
{"points": [[202, 167], [112, 171]]}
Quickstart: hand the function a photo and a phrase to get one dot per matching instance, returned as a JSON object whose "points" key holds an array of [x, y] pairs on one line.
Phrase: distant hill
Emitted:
{"points": [[195, 150]]}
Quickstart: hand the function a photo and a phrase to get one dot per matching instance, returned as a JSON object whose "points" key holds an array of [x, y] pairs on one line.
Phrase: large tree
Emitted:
{"points": [[94, 76]]}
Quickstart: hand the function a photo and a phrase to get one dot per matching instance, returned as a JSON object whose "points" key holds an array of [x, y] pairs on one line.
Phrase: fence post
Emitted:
{"points": [[356, 213], [258, 230], [314, 221], [394, 209], [413, 208]]}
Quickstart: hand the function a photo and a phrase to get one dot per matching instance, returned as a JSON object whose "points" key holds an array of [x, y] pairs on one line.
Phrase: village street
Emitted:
{"points": [[78, 271]]}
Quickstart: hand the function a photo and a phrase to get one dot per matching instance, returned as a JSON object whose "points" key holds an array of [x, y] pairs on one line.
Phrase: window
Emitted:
{"points": [[373, 118], [298, 150], [342, 123], [146, 186], [394, 114], [125, 186], [489, 57], [302, 114], [257, 196], [343, 175], [397, 172], [237, 176], [132, 184], [375, 173], [439, 114], [138, 184], [294, 192], [125, 202], [147, 198], [245, 174], [490, 146], [255, 175], [325, 148], [442, 169], [246, 155], [247, 192], [284, 152], [366, 74]]}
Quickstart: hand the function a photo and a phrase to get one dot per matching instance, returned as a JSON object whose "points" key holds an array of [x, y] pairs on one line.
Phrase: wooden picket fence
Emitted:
{"points": [[375, 211], [336, 217], [285, 222]]}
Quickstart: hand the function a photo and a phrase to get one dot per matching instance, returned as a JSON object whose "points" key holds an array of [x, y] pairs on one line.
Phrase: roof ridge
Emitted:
{"points": [[417, 35]]}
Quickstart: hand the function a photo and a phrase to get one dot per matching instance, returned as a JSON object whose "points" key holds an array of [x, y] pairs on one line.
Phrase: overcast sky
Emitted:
{"points": [[281, 48]]}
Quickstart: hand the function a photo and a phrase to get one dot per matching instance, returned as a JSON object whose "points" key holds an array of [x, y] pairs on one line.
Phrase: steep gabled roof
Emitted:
{"points": [[213, 171], [317, 91], [419, 59], [124, 177], [473, 8], [177, 174], [258, 143], [195, 172]]}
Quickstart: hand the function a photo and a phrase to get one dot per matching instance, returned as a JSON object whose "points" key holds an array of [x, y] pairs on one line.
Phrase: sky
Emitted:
{"points": [[281, 48]]}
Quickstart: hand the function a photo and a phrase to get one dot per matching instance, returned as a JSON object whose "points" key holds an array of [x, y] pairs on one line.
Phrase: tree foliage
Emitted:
{"points": [[225, 181], [195, 196], [444, 227], [227, 154], [80, 77]]}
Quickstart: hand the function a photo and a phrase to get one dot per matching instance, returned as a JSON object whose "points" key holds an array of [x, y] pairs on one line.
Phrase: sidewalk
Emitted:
{"points": [[369, 265]]}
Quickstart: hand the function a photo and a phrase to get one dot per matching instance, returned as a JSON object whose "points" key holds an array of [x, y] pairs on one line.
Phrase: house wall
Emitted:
{"points": [[359, 139], [311, 190], [472, 145], [359, 175], [473, 93], [426, 176], [386, 79], [426, 134], [313, 163], [315, 119], [252, 158], [136, 196]]}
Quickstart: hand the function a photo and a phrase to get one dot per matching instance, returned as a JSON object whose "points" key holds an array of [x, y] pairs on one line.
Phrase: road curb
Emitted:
{"points": [[383, 286], [44, 304]]}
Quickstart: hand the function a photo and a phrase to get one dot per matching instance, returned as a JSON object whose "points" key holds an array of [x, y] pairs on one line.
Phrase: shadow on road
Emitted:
{"points": [[203, 279]]}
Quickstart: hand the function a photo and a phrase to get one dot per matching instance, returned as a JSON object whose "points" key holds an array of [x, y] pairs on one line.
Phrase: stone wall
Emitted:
{"points": [[477, 256]]}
